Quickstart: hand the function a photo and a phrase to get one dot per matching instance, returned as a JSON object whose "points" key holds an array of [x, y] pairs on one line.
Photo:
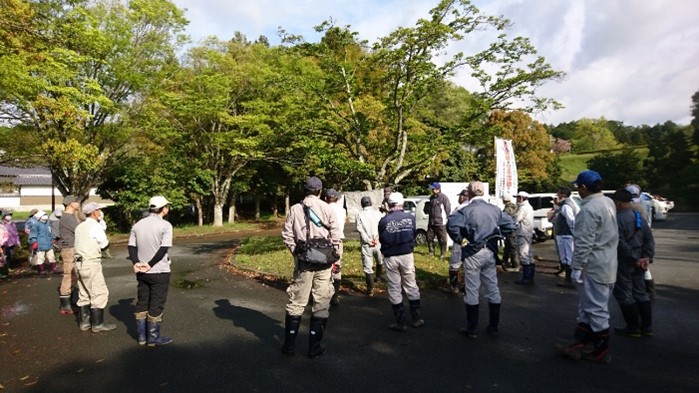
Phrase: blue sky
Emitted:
{"points": [[636, 61]]}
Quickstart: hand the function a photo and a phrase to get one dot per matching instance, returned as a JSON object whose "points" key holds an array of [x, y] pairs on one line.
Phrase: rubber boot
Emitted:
{"points": [[41, 269], [416, 313], [98, 325], [646, 314], [399, 314], [527, 275], [65, 308], [369, 277], [52, 267], [632, 318], [471, 321], [84, 317], [581, 337], [315, 336], [379, 273], [453, 285], [141, 327], [335, 299], [494, 314], [154, 337], [561, 269], [443, 251], [291, 330], [600, 353], [650, 288], [567, 281]]}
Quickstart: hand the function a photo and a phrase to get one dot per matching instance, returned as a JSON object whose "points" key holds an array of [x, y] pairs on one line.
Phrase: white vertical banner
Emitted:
{"points": [[506, 168]]}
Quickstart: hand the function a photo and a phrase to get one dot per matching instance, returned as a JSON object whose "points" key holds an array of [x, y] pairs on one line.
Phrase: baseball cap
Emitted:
{"points": [[463, 192], [635, 191], [332, 193], [313, 184], [435, 185], [39, 213], [587, 178], [157, 202], [91, 207], [396, 198], [506, 197], [622, 195], [70, 199], [523, 194]]}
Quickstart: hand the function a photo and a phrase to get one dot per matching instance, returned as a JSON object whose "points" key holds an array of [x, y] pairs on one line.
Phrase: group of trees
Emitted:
{"points": [[96, 91]]}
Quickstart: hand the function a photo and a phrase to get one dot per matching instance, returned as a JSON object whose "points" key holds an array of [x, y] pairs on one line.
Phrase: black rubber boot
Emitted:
{"points": [[141, 326], [154, 337], [98, 325], [453, 285], [379, 273], [600, 353], [494, 313], [399, 314], [291, 330], [416, 314], [646, 314], [567, 281], [632, 318], [471, 321], [561, 269], [527, 275], [369, 278], [315, 336], [335, 300], [84, 317], [65, 308]]}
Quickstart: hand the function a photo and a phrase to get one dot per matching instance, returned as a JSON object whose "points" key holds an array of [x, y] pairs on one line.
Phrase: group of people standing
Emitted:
{"points": [[81, 237], [605, 246]]}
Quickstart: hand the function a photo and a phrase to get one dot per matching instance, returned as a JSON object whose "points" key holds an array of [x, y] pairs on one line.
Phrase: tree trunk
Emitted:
{"points": [[200, 211], [218, 214], [287, 202], [231, 209], [257, 207]]}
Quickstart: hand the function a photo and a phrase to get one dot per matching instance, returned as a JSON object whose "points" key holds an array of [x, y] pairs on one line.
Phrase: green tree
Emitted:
{"points": [[82, 85], [619, 168], [593, 135]]}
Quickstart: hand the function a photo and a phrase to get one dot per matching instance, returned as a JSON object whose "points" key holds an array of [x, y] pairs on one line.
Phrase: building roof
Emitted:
{"points": [[33, 176]]}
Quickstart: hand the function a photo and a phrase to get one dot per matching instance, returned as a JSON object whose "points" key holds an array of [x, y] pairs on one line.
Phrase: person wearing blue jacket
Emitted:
{"points": [[397, 232], [41, 241], [478, 227]]}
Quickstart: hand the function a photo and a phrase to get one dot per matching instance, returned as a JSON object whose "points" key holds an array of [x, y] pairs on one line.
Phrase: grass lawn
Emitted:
{"points": [[572, 164], [267, 255]]}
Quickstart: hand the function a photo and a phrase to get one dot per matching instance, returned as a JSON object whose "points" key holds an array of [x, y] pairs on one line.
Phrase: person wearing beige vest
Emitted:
{"points": [[90, 240]]}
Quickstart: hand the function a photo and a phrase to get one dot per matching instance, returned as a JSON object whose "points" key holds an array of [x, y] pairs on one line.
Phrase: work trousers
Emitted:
{"points": [[564, 244], [92, 286], [630, 286], [69, 276], [369, 254], [593, 308], [480, 268], [152, 292], [400, 276], [310, 284]]}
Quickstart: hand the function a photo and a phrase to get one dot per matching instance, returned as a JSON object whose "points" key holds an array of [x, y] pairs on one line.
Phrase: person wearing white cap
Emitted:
{"points": [[524, 218], [41, 242], [149, 242], [90, 240], [397, 237]]}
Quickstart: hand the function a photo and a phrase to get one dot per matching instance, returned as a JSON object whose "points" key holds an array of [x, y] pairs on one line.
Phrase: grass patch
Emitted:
{"points": [[267, 255]]}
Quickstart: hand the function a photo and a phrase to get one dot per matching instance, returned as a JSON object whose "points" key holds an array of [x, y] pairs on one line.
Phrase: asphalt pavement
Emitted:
{"points": [[228, 330]]}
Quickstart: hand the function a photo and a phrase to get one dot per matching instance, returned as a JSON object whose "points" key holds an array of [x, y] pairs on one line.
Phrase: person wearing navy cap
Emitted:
{"points": [[594, 268], [438, 210]]}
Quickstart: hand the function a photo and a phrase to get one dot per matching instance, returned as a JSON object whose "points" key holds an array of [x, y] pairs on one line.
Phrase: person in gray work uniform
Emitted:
{"points": [[310, 282], [149, 242], [478, 227]]}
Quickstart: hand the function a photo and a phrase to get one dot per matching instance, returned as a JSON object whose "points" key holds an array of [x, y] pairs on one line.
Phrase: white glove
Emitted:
{"points": [[576, 276]]}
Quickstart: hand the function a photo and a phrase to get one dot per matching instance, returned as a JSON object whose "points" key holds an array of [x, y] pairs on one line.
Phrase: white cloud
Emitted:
{"points": [[628, 60]]}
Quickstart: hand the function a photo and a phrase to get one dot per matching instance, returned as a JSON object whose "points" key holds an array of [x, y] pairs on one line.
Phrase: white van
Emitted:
{"points": [[542, 203]]}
